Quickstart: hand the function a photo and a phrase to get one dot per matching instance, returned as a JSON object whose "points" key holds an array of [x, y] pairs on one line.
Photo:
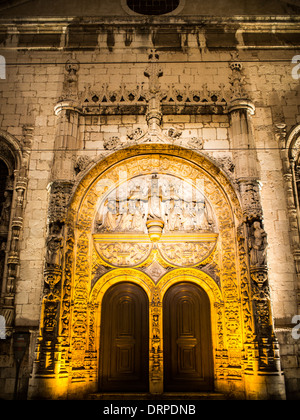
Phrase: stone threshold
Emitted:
{"points": [[159, 397]]}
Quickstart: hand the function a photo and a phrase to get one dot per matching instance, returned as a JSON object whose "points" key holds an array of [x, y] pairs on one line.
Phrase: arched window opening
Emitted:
{"points": [[153, 7]]}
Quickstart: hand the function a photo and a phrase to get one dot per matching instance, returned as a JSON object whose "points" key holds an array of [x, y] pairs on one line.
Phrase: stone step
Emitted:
{"points": [[158, 397]]}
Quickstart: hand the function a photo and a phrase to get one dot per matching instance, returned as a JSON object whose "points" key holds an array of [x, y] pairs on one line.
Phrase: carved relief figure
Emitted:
{"points": [[258, 245], [203, 216], [53, 253], [163, 197], [138, 220], [127, 216], [174, 216], [111, 218], [187, 217]]}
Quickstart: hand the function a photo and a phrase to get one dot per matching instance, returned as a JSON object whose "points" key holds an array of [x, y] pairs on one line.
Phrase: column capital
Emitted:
{"points": [[242, 104], [66, 105]]}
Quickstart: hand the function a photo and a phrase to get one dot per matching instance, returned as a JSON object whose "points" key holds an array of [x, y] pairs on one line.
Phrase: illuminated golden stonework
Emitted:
{"points": [[106, 246]]}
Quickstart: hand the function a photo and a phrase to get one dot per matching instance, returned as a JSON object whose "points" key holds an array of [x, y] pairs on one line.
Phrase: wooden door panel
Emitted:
{"points": [[125, 359], [187, 339], [187, 360], [124, 348]]}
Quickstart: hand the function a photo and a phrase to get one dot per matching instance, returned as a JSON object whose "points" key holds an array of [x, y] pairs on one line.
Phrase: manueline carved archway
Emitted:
{"points": [[98, 253], [217, 269]]}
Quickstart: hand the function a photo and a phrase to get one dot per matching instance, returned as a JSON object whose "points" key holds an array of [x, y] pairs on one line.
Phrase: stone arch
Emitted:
{"points": [[289, 144], [15, 156], [223, 273], [92, 276], [11, 151], [292, 142], [97, 293]]}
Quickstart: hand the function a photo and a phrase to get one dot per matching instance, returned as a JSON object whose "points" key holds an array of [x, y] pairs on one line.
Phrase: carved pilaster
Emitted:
{"points": [[156, 354], [261, 352], [241, 109], [66, 142], [55, 306], [267, 344]]}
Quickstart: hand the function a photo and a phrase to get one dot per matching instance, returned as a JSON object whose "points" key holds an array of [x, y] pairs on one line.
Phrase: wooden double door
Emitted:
{"points": [[124, 348]]}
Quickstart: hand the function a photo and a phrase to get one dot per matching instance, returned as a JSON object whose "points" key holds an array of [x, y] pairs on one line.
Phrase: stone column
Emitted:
{"points": [[49, 363], [263, 349]]}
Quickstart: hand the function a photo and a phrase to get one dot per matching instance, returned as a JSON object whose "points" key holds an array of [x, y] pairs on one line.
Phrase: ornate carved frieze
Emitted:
{"points": [[129, 254], [145, 97], [172, 100]]}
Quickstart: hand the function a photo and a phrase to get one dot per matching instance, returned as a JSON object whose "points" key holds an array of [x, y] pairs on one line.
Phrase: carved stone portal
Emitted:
{"points": [[204, 241]]}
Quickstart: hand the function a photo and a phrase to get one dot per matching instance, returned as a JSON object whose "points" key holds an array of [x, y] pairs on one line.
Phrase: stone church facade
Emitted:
{"points": [[149, 189]]}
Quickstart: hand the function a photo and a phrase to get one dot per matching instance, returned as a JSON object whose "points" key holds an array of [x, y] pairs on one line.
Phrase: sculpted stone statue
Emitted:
{"points": [[258, 245], [138, 219], [54, 252]]}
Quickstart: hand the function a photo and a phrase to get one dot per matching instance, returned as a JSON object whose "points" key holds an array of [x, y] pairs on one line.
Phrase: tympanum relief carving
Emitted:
{"points": [[189, 231]]}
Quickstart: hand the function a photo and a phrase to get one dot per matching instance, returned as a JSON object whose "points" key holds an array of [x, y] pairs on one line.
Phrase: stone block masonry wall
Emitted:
{"points": [[32, 88], [27, 97]]}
